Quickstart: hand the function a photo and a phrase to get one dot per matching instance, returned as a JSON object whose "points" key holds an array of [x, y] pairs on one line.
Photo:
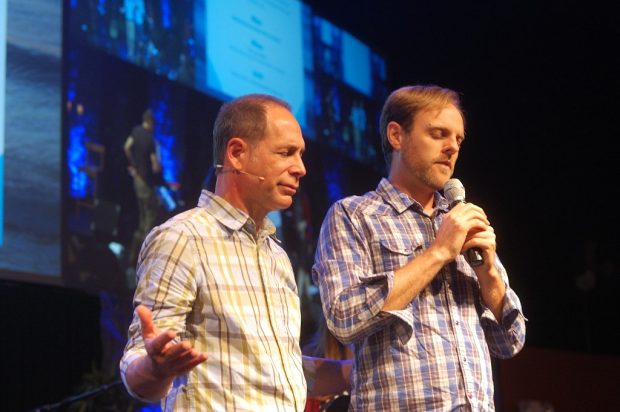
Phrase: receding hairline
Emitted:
{"points": [[437, 109]]}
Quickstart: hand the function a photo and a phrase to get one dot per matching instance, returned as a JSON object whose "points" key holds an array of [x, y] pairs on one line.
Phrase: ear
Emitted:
{"points": [[237, 152], [395, 135]]}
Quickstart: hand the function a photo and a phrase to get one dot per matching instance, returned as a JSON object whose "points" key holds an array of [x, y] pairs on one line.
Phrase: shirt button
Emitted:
{"points": [[457, 323]]}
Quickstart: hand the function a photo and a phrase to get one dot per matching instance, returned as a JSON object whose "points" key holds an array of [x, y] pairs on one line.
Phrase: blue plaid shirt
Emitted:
{"points": [[434, 355]]}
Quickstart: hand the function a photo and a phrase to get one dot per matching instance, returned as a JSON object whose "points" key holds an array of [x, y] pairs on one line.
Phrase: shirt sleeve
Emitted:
{"points": [[166, 285], [351, 294], [506, 337]]}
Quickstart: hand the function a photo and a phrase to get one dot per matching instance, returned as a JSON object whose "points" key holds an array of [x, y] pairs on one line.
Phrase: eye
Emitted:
{"points": [[436, 134]]}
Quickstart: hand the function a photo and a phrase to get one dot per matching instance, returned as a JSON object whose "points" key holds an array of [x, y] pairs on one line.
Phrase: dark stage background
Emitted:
{"points": [[539, 83]]}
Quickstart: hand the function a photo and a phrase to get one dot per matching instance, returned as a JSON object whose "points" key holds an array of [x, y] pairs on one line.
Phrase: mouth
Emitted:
{"points": [[446, 163], [290, 189]]}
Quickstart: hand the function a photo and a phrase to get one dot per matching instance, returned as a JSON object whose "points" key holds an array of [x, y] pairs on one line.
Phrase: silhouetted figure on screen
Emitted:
{"points": [[144, 167]]}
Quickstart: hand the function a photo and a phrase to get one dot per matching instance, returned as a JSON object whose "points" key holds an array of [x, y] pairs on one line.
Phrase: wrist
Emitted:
{"points": [[440, 254], [491, 283], [145, 381]]}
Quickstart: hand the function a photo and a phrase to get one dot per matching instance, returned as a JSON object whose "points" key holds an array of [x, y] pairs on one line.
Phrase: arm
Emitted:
{"points": [[505, 334], [358, 302], [352, 295], [462, 222], [464, 227], [492, 286], [153, 356], [326, 377], [127, 149], [502, 316], [150, 376], [155, 163]]}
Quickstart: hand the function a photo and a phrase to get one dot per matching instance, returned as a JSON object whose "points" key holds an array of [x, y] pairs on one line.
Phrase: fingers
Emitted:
{"points": [[484, 239], [189, 360], [146, 321], [177, 359], [159, 344], [154, 340], [179, 349], [470, 212], [168, 358]]}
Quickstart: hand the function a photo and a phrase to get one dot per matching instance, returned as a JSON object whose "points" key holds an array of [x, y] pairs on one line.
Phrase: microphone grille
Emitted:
{"points": [[454, 191]]}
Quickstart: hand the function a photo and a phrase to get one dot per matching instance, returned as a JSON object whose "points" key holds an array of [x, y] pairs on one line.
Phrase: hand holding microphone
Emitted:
{"points": [[454, 191]]}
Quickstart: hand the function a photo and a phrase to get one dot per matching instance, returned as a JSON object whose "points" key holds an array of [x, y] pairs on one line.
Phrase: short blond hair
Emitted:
{"points": [[403, 104]]}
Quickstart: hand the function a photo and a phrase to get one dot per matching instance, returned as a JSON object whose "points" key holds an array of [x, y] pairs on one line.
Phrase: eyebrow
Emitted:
{"points": [[431, 127], [290, 147]]}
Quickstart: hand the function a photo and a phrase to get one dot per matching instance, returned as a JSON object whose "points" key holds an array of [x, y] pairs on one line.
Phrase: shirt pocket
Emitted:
{"points": [[391, 254]]}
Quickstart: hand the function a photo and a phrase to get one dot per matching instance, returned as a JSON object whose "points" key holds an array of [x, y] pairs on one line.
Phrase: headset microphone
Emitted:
{"points": [[220, 168]]}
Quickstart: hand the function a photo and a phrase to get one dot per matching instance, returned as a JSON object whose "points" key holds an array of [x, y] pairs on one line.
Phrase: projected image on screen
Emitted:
{"points": [[157, 35], [262, 50], [31, 144], [334, 82], [349, 87], [2, 91]]}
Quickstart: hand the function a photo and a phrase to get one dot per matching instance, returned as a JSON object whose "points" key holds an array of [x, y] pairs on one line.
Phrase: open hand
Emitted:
{"points": [[168, 358]]}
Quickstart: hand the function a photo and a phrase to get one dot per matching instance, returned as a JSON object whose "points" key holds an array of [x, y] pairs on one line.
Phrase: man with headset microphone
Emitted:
{"points": [[217, 318]]}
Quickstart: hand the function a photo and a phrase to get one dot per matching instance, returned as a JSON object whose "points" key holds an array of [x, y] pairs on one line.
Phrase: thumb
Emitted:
{"points": [[146, 321]]}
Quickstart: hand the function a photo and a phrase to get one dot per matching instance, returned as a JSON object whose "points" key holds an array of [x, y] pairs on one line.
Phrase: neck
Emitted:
{"points": [[420, 193], [426, 199], [228, 189]]}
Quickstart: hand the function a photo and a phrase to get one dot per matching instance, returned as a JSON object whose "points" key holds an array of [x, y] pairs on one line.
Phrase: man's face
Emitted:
{"points": [[277, 158], [430, 149]]}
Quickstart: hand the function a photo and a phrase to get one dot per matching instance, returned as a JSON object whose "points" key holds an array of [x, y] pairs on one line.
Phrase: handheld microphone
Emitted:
{"points": [[220, 168], [454, 191]]}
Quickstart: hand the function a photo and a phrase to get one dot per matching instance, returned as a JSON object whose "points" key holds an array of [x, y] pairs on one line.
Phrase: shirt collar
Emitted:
{"points": [[230, 216], [401, 201]]}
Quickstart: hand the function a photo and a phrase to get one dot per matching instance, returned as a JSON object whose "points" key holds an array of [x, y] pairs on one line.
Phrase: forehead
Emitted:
{"points": [[282, 126], [447, 117]]}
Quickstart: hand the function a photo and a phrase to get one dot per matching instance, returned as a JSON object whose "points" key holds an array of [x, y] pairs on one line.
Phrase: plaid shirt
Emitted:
{"points": [[434, 354], [231, 292]]}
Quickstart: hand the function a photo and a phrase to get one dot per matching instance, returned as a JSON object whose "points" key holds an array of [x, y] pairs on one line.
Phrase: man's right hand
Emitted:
{"points": [[458, 226], [150, 376]]}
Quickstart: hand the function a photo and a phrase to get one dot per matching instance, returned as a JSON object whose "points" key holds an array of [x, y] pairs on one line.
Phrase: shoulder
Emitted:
{"points": [[358, 206], [139, 132], [192, 223], [136, 130]]}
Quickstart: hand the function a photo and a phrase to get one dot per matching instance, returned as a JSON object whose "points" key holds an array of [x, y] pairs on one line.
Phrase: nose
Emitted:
{"points": [[298, 169], [452, 145]]}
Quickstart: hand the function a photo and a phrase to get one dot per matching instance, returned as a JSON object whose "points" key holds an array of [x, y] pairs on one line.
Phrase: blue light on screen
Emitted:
{"points": [[166, 15], [166, 138], [3, 7], [1, 195], [356, 64], [257, 47]]}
